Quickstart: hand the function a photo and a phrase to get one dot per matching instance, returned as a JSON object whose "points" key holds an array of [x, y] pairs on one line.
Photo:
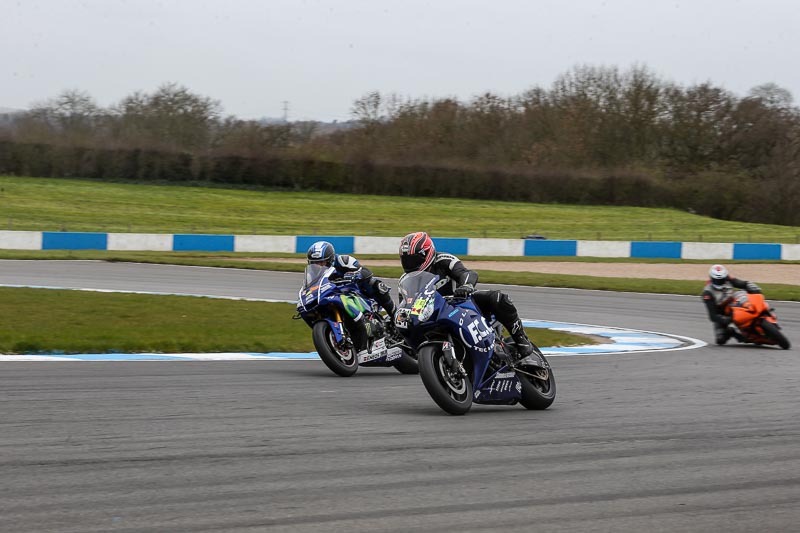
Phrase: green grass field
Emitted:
{"points": [[40, 204], [44, 320], [87, 322]]}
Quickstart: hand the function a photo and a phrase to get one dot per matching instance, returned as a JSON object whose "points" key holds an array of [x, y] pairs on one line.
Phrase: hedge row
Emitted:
{"points": [[711, 194]]}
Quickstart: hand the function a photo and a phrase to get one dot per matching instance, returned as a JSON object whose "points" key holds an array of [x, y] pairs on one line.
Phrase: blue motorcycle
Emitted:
{"points": [[462, 359], [331, 308]]}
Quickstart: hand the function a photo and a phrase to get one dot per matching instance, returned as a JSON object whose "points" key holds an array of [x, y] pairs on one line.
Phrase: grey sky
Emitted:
{"points": [[321, 55]]}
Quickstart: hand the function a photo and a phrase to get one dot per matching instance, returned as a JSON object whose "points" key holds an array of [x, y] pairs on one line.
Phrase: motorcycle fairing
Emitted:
{"points": [[353, 304], [745, 308], [748, 311], [463, 321], [475, 334], [380, 354], [319, 291], [502, 387]]}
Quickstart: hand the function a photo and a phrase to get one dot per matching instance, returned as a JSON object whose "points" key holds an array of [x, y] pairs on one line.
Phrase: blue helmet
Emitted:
{"points": [[321, 253]]}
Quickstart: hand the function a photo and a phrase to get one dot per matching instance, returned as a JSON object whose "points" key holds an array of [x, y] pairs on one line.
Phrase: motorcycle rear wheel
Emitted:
{"points": [[537, 393], [406, 364], [342, 361], [452, 392], [773, 332]]}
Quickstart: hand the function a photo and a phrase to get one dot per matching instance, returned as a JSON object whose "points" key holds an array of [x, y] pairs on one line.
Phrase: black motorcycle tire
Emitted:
{"points": [[537, 394], [772, 331], [453, 395], [324, 342], [406, 364]]}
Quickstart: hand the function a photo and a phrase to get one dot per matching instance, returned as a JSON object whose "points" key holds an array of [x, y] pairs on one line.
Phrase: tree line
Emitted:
{"points": [[597, 135]]}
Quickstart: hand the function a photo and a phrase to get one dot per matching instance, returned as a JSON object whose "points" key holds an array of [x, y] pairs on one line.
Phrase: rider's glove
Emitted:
{"points": [[464, 291], [752, 288], [351, 276]]}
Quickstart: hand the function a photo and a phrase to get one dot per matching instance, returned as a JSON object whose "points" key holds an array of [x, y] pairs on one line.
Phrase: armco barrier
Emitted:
{"points": [[50, 240]]}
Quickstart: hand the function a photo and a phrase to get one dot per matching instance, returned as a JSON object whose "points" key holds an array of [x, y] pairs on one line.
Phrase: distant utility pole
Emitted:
{"points": [[286, 110]]}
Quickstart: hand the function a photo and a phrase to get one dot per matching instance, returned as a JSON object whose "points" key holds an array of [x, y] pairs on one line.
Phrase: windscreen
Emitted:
{"points": [[740, 298], [313, 274], [413, 283]]}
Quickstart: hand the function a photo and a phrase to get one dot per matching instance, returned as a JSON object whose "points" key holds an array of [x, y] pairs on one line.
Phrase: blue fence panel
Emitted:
{"points": [[343, 245], [756, 251], [450, 245], [66, 240], [668, 250], [202, 243], [551, 248]]}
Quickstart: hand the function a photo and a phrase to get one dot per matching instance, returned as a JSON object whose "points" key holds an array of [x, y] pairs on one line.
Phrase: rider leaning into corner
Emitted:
{"points": [[717, 295], [418, 253], [323, 253]]}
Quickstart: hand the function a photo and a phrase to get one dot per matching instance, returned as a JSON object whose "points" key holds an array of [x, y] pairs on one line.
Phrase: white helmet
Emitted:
{"points": [[718, 275]]}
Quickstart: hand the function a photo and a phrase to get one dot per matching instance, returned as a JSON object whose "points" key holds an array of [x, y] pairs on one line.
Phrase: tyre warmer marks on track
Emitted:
{"points": [[619, 340]]}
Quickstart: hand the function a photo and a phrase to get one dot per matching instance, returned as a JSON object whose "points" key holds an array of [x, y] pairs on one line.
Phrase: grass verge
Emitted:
{"points": [[44, 204], [45, 320]]}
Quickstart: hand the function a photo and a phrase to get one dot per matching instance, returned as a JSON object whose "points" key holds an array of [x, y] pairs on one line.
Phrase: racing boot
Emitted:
{"points": [[523, 344], [393, 335], [724, 334], [736, 335]]}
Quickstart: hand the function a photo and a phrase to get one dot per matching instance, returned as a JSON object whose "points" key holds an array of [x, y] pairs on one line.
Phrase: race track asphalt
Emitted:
{"points": [[697, 440]]}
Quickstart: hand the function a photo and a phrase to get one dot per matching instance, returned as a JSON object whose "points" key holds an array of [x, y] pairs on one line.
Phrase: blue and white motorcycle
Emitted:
{"points": [[331, 308], [462, 359]]}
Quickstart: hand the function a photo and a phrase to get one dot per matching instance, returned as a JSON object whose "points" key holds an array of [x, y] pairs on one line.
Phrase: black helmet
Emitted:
{"points": [[417, 252], [321, 253]]}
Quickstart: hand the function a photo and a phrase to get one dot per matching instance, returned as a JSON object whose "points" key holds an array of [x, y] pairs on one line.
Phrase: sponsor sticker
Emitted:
{"points": [[401, 319], [394, 353], [378, 351], [366, 357], [418, 306]]}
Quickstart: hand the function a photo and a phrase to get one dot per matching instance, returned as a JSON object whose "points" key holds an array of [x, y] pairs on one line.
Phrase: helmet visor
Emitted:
{"points": [[412, 263]]}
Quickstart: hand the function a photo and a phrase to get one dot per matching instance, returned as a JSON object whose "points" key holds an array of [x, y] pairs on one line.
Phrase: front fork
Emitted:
{"points": [[449, 352], [337, 325]]}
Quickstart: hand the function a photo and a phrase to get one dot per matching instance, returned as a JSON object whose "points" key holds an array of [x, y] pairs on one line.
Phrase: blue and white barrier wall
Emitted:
{"points": [[48, 240]]}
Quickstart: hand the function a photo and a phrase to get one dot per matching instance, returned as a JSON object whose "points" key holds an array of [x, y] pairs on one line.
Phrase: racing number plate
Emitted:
{"points": [[418, 306]]}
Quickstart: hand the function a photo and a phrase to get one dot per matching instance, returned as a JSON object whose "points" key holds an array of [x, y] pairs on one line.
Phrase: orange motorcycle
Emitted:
{"points": [[756, 320]]}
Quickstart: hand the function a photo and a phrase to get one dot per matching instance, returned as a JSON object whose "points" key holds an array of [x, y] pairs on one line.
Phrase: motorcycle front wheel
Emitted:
{"points": [[451, 390], [342, 360], [773, 332]]}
